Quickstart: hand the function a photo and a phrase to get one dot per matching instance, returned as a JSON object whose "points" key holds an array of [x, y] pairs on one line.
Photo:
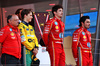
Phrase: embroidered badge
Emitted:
{"points": [[12, 34], [56, 27], [10, 29], [27, 29], [88, 44], [61, 35], [84, 37], [56, 23], [13, 37], [83, 33]]}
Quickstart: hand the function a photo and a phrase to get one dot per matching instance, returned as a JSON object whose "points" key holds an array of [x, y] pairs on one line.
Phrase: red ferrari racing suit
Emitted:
{"points": [[11, 41], [53, 39], [82, 39]]}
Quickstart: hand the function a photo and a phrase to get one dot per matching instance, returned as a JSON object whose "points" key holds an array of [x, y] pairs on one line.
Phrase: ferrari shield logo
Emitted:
{"points": [[84, 37], [56, 27]]}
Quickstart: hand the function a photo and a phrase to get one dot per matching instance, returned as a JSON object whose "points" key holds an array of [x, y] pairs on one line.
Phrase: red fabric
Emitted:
{"points": [[53, 39], [82, 39], [11, 41]]}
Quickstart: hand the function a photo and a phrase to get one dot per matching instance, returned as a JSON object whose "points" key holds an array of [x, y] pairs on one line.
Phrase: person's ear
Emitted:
{"points": [[54, 12], [9, 20], [25, 15], [82, 23]]}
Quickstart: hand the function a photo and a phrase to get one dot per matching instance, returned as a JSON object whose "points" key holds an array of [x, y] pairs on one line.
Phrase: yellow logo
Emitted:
{"points": [[56, 27], [84, 37], [12, 34]]}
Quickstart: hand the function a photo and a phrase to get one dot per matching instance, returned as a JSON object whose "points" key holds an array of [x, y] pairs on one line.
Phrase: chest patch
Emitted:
{"points": [[83, 33], [13, 37], [56, 27], [61, 35], [12, 34], [56, 23], [84, 37], [88, 44]]}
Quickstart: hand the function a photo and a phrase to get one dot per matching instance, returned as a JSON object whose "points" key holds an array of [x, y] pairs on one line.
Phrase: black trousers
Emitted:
{"points": [[9, 60]]}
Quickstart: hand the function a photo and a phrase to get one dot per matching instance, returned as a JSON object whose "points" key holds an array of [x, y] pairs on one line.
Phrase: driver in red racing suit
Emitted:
{"points": [[82, 39], [53, 39]]}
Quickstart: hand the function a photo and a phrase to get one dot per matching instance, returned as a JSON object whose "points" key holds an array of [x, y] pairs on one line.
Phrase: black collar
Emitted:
{"points": [[25, 23]]}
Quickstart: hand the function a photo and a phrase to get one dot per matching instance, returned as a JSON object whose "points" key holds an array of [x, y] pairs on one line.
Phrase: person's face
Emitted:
{"points": [[29, 17], [14, 20], [59, 13], [86, 24]]}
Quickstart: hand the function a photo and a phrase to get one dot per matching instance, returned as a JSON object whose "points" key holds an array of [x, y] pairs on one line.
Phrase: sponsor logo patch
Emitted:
{"points": [[84, 37], [56, 23], [56, 27], [12, 34], [10, 29], [83, 33], [61, 35], [88, 44], [13, 37]]}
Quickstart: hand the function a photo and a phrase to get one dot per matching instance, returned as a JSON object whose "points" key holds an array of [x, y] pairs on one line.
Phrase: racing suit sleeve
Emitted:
{"points": [[46, 32], [3, 35], [75, 41], [24, 40], [36, 41]]}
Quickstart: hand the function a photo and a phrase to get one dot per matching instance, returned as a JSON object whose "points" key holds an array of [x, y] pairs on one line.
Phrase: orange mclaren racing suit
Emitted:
{"points": [[82, 39], [53, 39]]}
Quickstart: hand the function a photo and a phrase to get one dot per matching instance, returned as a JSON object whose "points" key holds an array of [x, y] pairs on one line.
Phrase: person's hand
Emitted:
{"points": [[35, 51], [76, 59]]}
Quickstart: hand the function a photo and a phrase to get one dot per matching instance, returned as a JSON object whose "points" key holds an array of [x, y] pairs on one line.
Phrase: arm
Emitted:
{"points": [[75, 41], [35, 49], [46, 32], [3, 36], [24, 39], [36, 42]]}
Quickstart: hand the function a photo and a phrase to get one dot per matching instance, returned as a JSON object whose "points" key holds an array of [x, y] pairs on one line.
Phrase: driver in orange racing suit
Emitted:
{"points": [[82, 39]]}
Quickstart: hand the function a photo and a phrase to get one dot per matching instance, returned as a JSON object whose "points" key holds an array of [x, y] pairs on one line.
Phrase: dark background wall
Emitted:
{"points": [[6, 3], [0, 15]]}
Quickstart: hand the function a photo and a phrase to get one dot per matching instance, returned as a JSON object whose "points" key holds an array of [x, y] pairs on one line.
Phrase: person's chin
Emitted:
{"points": [[88, 27], [17, 25], [60, 16], [29, 21]]}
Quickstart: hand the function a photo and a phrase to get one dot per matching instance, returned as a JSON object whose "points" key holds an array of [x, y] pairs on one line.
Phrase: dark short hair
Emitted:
{"points": [[82, 19], [25, 12], [55, 8], [18, 11], [9, 17]]}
